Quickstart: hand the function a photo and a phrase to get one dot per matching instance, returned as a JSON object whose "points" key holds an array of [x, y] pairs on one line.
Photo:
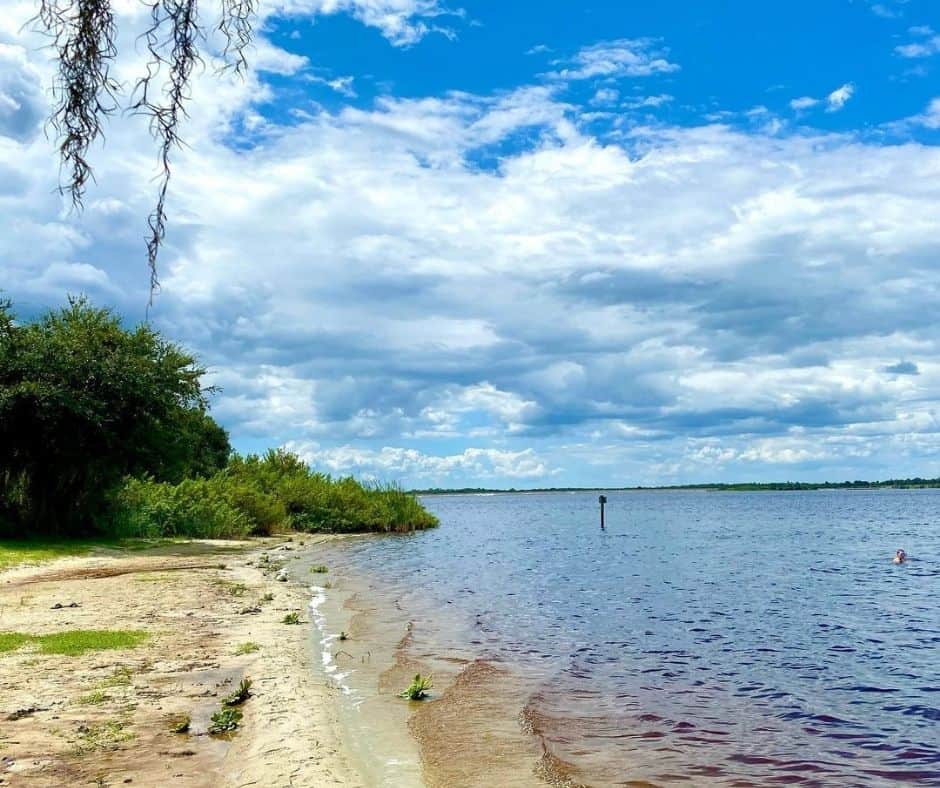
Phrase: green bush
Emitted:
{"points": [[85, 402], [196, 508]]}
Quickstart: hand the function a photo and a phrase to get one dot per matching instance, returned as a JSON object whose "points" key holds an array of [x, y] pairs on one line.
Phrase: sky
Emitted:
{"points": [[528, 244]]}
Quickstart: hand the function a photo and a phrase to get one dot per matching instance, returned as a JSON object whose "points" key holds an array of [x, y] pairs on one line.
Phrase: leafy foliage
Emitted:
{"points": [[225, 720], [262, 495], [418, 689], [85, 402], [240, 695]]}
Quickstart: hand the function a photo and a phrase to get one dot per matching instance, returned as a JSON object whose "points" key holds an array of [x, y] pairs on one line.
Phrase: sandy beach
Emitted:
{"points": [[213, 614]]}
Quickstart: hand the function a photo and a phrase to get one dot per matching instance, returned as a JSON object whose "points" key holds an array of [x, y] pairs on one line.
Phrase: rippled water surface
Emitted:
{"points": [[706, 638]]}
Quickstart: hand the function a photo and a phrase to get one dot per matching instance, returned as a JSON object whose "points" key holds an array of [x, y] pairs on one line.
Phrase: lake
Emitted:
{"points": [[704, 638]]}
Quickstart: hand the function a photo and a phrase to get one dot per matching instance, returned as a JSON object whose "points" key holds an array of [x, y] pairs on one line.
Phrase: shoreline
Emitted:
{"points": [[106, 717]]}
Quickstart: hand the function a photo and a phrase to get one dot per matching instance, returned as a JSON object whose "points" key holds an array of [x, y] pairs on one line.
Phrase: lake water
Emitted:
{"points": [[703, 638]]}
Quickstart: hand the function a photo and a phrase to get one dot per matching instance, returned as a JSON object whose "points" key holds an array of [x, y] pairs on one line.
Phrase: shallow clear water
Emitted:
{"points": [[711, 638]]}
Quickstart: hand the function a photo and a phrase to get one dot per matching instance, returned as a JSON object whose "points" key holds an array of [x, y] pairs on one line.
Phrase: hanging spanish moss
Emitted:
{"points": [[83, 34]]}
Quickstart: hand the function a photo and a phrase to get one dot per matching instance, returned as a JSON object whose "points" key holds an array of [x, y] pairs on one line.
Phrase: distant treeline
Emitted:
{"points": [[858, 484]]}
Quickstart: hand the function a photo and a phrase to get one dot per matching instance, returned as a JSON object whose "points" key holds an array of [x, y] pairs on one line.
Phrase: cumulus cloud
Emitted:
{"points": [[835, 101], [466, 287], [396, 463], [838, 98], [803, 102], [402, 22], [22, 104], [624, 57], [926, 43], [929, 118]]}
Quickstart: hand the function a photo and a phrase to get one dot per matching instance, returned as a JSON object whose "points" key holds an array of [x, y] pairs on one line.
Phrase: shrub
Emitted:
{"points": [[418, 689], [240, 695], [225, 720]]}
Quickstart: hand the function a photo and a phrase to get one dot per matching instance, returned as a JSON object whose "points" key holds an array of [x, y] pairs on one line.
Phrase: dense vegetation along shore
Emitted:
{"points": [[106, 430], [163, 662], [915, 483]]}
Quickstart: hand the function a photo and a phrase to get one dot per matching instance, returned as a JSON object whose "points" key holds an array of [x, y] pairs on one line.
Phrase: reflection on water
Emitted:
{"points": [[718, 638]]}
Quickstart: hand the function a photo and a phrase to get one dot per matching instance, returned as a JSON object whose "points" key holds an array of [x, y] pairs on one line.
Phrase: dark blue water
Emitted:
{"points": [[706, 638]]}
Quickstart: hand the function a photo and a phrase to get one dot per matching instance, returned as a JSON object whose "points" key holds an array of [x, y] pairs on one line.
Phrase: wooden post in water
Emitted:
{"points": [[602, 500]]}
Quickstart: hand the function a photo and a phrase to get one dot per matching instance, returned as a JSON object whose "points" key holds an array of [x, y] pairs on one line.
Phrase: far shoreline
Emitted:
{"points": [[914, 483]]}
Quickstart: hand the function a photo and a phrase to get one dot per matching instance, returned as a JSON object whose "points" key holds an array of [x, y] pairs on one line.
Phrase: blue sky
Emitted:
{"points": [[531, 244]]}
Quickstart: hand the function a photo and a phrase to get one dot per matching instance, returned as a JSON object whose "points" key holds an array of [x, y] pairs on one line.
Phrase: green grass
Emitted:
{"points": [[291, 618], [319, 569], [10, 641], [247, 648], [18, 552], [75, 642], [103, 736], [15, 553], [92, 699]]}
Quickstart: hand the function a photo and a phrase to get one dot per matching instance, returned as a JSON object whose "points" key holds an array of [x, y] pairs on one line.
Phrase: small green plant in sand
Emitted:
{"points": [[74, 642], [181, 724], [240, 695], [249, 647], [319, 569], [121, 677], [225, 720], [92, 699], [291, 618], [418, 689], [101, 736]]}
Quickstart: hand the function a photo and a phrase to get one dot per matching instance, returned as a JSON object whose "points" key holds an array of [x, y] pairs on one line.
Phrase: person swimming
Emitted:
{"points": [[900, 557]]}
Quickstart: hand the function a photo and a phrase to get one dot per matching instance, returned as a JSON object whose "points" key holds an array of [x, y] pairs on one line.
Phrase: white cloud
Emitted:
{"points": [[616, 59], [648, 101], [342, 85], [927, 45], [605, 96], [930, 117], [393, 463], [22, 103], [838, 98], [804, 102], [376, 277], [402, 22]]}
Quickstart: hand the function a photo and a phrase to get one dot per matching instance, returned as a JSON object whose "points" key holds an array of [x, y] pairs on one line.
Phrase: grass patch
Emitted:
{"points": [[249, 647], [120, 678], [103, 736], [10, 641], [229, 587], [16, 552], [319, 569], [181, 724], [75, 642], [92, 699], [291, 618]]}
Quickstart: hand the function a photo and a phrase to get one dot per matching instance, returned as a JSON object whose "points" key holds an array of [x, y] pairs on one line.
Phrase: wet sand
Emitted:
{"points": [[107, 717], [472, 730]]}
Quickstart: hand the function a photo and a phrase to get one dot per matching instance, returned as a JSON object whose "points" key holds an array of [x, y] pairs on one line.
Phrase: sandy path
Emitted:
{"points": [[105, 718]]}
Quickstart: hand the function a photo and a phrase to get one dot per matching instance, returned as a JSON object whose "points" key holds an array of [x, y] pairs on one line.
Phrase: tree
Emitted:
{"points": [[85, 402], [84, 33]]}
